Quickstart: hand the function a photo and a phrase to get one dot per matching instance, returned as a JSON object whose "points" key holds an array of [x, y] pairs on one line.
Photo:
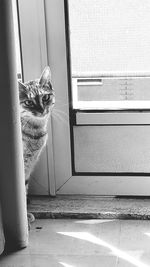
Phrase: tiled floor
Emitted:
{"points": [[84, 243]]}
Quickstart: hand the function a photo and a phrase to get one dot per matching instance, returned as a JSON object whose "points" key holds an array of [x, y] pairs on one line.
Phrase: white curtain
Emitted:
{"points": [[12, 186]]}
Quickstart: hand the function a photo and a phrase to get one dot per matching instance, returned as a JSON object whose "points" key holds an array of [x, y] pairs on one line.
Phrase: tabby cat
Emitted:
{"points": [[37, 99]]}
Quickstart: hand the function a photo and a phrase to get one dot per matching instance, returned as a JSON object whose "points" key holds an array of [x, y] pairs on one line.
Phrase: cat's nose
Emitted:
{"points": [[41, 109], [43, 112]]}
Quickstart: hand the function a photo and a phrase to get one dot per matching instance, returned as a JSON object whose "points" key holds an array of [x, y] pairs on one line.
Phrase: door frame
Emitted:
{"points": [[51, 47], [34, 58], [67, 181]]}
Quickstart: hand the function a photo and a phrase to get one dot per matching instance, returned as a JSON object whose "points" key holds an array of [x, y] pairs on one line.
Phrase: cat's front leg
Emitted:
{"points": [[30, 216]]}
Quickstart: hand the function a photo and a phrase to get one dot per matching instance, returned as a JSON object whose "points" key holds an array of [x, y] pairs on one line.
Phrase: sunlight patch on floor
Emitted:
{"points": [[65, 264], [94, 221], [115, 251], [148, 234]]}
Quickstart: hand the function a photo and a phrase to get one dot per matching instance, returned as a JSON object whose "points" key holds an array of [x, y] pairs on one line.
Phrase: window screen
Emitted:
{"points": [[110, 39]]}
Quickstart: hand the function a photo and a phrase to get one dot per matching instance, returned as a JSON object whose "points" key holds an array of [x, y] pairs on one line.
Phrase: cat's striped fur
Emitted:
{"points": [[36, 101]]}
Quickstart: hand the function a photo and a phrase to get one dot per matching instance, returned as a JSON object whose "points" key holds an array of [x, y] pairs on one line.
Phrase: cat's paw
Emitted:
{"points": [[31, 219]]}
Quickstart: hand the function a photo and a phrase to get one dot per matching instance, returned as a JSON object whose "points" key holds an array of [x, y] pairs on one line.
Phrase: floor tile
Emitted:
{"points": [[15, 260], [88, 261], [135, 235], [84, 243], [133, 262], [74, 237], [134, 245], [135, 258], [35, 260]]}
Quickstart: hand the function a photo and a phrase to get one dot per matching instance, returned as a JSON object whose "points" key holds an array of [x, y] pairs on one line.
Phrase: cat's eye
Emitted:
{"points": [[46, 97], [28, 103]]}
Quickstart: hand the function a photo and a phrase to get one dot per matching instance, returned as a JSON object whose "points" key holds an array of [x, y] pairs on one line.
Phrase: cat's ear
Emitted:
{"points": [[22, 90], [45, 77], [21, 86]]}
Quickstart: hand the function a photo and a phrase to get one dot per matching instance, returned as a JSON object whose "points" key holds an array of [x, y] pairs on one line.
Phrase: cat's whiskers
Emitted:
{"points": [[63, 113], [62, 116], [57, 116], [62, 105], [62, 102]]}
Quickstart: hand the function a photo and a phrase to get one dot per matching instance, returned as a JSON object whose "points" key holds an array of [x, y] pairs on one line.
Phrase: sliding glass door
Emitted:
{"points": [[100, 53]]}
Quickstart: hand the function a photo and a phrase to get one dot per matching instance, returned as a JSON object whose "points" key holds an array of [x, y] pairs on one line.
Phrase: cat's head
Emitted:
{"points": [[37, 96]]}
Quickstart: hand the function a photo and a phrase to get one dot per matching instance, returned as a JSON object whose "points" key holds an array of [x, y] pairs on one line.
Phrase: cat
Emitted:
{"points": [[37, 99]]}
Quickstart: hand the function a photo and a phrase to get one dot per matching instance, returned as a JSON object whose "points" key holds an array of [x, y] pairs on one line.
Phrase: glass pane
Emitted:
{"points": [[110, 53]]}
